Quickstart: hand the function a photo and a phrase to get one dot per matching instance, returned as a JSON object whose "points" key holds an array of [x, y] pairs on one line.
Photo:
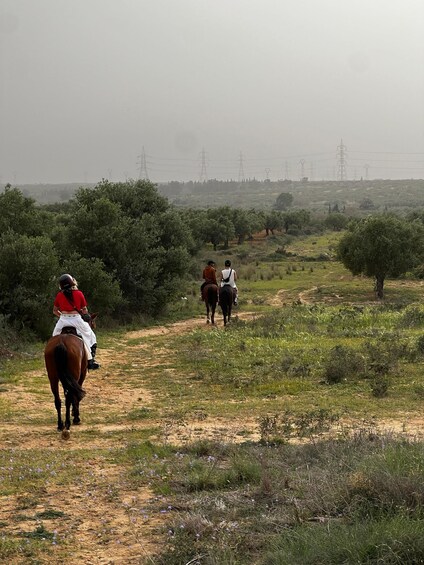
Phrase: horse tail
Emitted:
{"points": [[65, 377]]}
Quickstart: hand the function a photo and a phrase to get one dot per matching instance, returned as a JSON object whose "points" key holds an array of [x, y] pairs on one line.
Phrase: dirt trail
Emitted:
{"points": [[110, 520]]}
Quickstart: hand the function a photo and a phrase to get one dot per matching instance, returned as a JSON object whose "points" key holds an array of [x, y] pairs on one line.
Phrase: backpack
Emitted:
{"points": [[227, 280]]}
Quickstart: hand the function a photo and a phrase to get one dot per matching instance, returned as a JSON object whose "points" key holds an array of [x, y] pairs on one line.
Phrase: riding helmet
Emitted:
{"points": [[227, 263], [66, 281]]}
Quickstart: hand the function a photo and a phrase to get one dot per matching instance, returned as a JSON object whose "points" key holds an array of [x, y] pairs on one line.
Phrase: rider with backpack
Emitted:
{"points": [[70, 306], [229, 277]]}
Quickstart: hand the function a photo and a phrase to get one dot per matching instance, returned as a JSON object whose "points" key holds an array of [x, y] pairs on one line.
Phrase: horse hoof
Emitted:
{"points": [[66, 434], [76, 422], [208, 321]]}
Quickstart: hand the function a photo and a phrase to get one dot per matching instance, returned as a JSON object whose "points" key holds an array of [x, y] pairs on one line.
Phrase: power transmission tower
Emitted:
{"points": [[302, 168], [287, 170], [241, 177], [267, 171], [366, 167], [341, 161], [143, 173], [203, 177]]}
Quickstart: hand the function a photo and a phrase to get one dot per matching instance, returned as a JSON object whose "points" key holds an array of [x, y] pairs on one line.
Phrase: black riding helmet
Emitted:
{"points": [[66, 282], [227, 263]]}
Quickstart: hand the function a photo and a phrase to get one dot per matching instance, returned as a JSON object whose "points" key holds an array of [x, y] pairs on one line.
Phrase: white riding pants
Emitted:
{"points": [[83, 328]]}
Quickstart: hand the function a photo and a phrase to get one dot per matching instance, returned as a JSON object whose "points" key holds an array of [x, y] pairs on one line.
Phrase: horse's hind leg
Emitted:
{"points": [[213, 315], [54, 385], [75, 412], [68, 402], [58, 404], [208, 319]]}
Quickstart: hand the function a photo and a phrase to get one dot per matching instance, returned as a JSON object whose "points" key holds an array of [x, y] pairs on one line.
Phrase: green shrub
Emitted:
{"points": [[343, 362], [412, 317], [380, 385]]}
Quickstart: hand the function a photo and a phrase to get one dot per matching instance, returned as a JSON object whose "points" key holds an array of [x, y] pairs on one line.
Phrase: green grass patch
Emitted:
{"points": [[286, 505]]}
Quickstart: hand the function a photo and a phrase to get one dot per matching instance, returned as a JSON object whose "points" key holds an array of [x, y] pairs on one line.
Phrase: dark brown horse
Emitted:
{"points": [[226, 297], [210, 296], [66, 362]]}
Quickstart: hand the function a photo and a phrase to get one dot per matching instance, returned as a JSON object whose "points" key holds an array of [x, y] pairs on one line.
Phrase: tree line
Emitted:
{"points": [[126, 245], [130, 249]]}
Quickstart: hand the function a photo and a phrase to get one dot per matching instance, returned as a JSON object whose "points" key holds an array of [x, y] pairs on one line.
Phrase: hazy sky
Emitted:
{"points": [[85, 84]]}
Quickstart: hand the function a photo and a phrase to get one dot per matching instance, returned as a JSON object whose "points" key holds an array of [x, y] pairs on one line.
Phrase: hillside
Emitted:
{"points": [[379, 194]]}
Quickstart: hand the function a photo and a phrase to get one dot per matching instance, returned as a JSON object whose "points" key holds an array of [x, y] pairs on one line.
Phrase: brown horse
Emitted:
{"points": [[66, 361], [210, 296]]}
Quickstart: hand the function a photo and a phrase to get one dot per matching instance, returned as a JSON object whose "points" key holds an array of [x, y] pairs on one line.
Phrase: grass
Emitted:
{"points": [[281, 504], [293, 353], [296, 393]]}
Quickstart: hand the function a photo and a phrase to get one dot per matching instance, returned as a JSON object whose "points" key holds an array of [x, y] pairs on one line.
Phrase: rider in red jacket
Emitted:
{"points": [[209, 276], [70, 306]]}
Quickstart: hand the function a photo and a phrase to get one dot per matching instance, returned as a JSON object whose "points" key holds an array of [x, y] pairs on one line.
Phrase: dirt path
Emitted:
{"points": [[109, 519]]}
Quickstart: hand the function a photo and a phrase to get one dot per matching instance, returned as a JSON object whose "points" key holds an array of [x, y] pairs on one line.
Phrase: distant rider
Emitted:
{"points": [[70, 306], [229, 277], [209, 276]]}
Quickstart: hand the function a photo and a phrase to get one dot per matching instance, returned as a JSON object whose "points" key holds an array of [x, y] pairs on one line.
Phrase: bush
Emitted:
{"points": [[28, 271], [343, 362], [412, 317], [379, 385]]}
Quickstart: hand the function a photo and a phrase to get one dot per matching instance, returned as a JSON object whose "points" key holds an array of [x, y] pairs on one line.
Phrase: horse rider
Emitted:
{"points": [[70, 306], [228, 278], [209, 276]]}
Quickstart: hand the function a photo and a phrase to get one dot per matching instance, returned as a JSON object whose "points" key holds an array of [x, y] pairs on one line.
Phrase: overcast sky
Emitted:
{"points": [[86, 84]]}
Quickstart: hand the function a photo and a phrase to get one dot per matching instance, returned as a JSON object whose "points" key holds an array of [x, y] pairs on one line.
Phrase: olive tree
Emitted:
{"points": [[142, 242], [28, 279], [284, 201], [380, 247]]}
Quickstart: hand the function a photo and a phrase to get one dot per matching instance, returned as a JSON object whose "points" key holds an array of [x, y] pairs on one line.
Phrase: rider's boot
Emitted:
{"points": [[92, 364]]}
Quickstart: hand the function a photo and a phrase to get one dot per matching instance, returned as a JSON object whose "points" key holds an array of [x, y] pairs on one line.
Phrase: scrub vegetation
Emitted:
{"points": [[293, 436]]}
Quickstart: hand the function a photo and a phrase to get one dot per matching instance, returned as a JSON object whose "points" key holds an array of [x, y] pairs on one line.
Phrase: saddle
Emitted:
{"points": [[70, 330]]}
